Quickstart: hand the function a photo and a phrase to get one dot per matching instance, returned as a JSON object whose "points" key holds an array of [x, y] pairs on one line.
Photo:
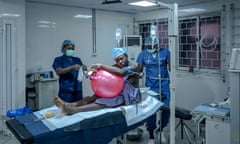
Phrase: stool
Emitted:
{"points": [[183, 115]]}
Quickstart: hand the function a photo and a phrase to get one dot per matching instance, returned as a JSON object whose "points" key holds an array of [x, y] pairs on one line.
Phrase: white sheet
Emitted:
{"points": [[141, 111], [134, 113]]}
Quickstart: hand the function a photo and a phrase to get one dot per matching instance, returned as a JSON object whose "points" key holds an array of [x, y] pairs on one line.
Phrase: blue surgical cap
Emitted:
{"points": [[65, 43], [148, 41], [118, 51]]}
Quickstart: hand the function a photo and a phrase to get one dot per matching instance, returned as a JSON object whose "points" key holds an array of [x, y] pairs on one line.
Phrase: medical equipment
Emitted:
{"points": [[40, 75], [133, 43], [213, 123], [235, 59], [41, 88], [217, 131], [211, 111], [153, 33], [118, 35], [234, 78]]}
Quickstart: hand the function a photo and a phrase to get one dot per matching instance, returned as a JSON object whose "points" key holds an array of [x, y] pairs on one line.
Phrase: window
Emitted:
{"points": [[199, 41]]}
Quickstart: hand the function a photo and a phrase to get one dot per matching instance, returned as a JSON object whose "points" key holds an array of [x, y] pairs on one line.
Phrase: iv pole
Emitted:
{"points": [[172, 43]]}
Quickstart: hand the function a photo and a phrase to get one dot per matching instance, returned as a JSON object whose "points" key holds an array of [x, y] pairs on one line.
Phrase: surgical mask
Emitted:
{"points": [[69, 53], [151, 50]]}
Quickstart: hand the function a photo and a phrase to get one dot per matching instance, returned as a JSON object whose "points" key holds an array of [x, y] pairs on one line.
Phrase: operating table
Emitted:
{"points": [[99, 126]]}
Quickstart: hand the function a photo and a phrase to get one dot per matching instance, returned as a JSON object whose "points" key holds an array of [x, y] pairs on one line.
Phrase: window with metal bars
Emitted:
{"points": [[199, 41]]}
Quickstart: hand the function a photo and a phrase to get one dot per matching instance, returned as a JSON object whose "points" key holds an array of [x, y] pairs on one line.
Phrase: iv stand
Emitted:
{"points": [[172, 43]]}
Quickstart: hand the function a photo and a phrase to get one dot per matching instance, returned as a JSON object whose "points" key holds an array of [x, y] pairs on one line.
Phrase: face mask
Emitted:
{"points": [[151, 50], [69, 53]]}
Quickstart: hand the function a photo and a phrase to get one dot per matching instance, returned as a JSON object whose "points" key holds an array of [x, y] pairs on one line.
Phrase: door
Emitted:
{"points": [[8, 68]]}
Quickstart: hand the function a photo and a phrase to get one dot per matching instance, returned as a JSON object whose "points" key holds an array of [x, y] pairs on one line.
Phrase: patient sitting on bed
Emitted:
{"points": [[129, 95]]}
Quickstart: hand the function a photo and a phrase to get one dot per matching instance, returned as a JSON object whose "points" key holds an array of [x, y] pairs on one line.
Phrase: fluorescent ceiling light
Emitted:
{"points": [[82, 16], [190, 10], [10, 15], [143, 3], [46, 24]]}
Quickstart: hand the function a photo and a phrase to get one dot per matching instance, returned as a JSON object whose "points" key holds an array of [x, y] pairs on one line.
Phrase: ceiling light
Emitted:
{"points": [[190, 10], [143, 3], [10, 15], [82, 16], [44, 22]]}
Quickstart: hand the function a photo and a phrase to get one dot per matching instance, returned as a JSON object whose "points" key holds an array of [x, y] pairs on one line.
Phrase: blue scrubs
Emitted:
{"points": [[70, 88], [153, 76]]}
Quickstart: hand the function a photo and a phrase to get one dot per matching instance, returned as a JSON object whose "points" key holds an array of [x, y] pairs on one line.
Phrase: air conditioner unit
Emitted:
{"points": [[133, 43], [235, 60]]}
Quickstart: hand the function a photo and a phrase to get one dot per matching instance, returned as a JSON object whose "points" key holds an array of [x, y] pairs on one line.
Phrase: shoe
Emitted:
{"points": [[151, 141]]}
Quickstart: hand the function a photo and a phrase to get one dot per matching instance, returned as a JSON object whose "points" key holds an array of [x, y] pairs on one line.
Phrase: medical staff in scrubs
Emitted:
{"points": [[157, 66], [67, 68]]}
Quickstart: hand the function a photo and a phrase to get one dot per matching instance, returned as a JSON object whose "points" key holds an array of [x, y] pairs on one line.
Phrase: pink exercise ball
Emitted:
{"points": [[106, 85]]}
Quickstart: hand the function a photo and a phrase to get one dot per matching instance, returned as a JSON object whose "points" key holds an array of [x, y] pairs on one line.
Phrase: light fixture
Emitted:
{"points": [[143, 3], [46, 24], [191, 10], [111, 1], [9, 15], [83, 16]]}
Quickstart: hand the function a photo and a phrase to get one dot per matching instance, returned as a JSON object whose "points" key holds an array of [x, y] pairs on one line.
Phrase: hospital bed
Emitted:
{"points": [[99, 126]]}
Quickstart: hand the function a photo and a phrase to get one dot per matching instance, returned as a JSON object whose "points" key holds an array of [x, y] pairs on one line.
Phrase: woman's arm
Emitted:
{"points": [[111, 69]]}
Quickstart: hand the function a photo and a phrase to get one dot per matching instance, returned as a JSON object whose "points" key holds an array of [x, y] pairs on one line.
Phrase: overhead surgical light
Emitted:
{"points": [[143, 3]]}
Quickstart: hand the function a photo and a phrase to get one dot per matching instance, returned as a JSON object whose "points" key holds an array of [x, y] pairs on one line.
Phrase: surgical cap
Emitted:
{"points": [[148, 41], [65, 43], [118, 51]]}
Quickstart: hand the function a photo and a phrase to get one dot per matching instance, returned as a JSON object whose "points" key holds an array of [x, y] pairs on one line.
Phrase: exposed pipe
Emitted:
{"points": [[94, 49]]}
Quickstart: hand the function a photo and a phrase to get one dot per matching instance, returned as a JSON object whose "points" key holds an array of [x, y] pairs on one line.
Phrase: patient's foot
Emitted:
{"points": [[68, 109], [58, 101]]}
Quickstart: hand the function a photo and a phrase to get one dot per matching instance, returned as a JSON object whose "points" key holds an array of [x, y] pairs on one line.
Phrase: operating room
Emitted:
{"points": [[203, 37]]}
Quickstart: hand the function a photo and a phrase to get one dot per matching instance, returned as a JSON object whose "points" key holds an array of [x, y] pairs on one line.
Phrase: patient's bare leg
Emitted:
{"points": [[59, 102], [69, 110], [86, 100]]}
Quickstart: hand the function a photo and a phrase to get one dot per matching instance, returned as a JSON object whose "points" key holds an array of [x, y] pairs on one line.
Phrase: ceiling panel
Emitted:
{"points": [[119, 7]]}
